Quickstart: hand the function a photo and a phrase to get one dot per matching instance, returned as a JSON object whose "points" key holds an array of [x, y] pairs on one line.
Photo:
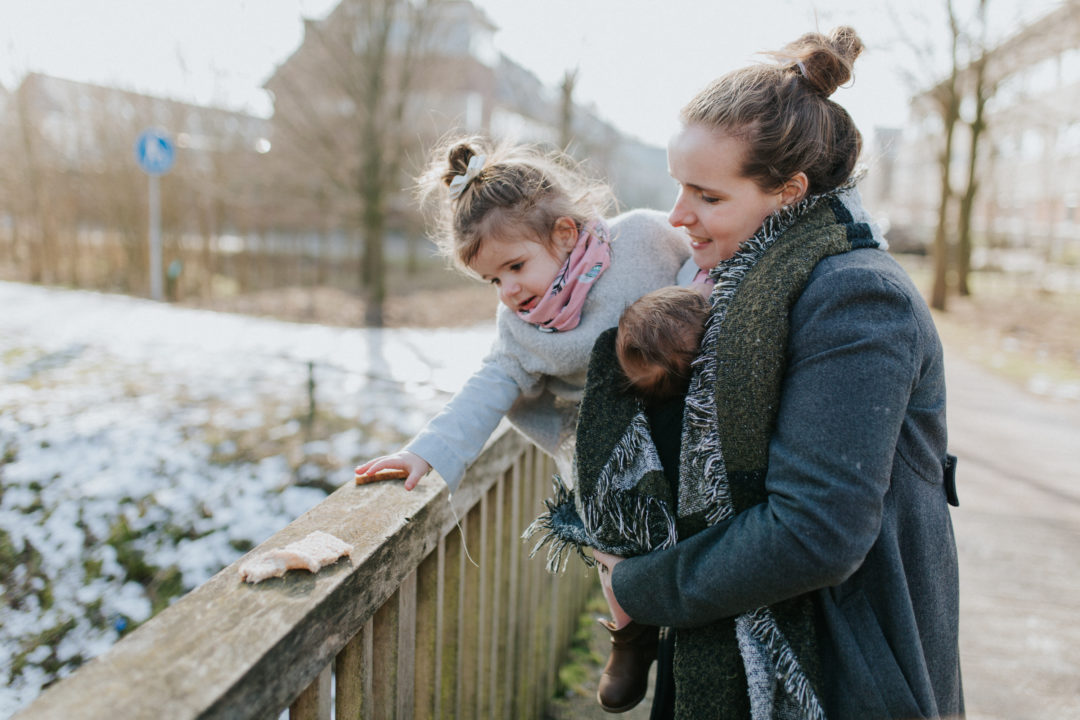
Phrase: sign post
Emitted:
{"points": [[155, 154]]}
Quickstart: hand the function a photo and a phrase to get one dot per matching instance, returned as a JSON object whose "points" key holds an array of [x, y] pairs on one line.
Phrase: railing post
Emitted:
{"points": [[385, 659], [352, 673], [514, 560], [314, 702], [406, 647], [454, 569], [428, 646]]}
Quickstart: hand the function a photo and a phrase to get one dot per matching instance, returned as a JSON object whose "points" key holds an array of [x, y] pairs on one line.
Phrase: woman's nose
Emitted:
{"points": [[679, 216]]}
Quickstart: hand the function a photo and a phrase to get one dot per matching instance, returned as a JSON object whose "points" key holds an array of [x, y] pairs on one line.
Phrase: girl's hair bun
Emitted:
{"points": [[457, 160], [825, 62]]}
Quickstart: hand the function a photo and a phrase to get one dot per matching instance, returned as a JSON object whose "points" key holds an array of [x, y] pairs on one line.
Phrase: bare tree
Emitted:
{"points": [[946, 96], [341, 108], [965, 82], [566, 110], [981, 92]]}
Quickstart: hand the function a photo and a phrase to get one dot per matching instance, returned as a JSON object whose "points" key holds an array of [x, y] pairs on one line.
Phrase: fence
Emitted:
{"points": [[410, 627]]}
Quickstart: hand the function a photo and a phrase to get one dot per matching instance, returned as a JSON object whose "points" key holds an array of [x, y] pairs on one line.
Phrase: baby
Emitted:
{"points": [[627, 463], [657, 339]]}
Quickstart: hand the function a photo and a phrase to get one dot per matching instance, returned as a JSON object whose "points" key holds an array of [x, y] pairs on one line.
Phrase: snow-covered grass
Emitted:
{"points": [[144, 447]]}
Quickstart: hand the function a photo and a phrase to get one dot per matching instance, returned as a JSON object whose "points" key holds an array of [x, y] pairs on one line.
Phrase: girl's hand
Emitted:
{"points": [[416, 466]]}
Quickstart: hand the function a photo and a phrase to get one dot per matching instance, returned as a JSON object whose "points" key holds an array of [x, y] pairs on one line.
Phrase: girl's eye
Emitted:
{"points": [[516, 266], [495, 282]]}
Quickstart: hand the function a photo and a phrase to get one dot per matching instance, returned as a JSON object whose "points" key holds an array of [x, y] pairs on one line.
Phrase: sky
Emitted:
{"points": [[638, 61]]}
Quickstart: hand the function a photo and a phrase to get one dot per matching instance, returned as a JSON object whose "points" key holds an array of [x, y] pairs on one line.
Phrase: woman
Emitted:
{"points": [[815, 573]]}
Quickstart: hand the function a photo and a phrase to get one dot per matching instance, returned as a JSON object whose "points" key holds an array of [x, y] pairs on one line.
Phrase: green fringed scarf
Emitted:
{"points": [[624, 500], [761, 664]]}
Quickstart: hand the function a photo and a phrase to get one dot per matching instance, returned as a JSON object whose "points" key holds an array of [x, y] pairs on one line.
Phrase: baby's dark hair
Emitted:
{"points": [[783, 112], [517, 191], [658, 338]]}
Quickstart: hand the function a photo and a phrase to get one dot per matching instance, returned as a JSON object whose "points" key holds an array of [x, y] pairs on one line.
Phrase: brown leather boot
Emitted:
{"points": [[626, 675]]}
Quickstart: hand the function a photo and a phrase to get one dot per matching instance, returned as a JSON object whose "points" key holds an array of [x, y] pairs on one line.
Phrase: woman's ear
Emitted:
{"points": [[794, 189], [565, 233]]}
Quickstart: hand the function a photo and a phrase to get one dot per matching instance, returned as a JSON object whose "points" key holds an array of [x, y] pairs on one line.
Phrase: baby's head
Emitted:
{"points": [[659, 336], [507, 192]]}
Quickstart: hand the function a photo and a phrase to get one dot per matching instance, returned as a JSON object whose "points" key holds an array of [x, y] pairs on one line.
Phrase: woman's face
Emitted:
{"points": [[718, 206]]}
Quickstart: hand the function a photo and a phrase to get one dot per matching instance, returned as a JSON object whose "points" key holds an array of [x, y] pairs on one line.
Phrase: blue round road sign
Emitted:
{"points": [[154, 151]]}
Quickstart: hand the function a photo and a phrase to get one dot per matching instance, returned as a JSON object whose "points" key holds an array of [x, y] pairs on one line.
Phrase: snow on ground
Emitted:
{"points": [[133, 451]]}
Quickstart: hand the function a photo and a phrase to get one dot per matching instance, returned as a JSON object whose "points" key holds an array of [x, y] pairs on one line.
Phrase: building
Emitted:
{"points": [[1029, 155], [460, 84]]}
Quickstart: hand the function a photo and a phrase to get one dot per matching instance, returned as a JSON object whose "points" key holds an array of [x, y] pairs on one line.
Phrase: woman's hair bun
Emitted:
{"points": [[457, 160], [825, 61]]}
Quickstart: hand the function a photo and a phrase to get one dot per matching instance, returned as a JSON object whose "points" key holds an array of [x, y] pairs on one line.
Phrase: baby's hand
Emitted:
{"points": [[411, 463]]}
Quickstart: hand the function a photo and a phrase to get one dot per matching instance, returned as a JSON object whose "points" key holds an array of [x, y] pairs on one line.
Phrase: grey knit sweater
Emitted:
{"points": [[536, 379]]}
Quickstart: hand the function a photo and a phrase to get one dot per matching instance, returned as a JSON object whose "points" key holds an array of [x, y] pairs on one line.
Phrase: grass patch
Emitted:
{"points": [[583, 661]]}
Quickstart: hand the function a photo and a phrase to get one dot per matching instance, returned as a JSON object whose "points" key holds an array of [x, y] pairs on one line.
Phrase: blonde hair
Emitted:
{"points": [[658, 337], [783, 112], [519, 191]]}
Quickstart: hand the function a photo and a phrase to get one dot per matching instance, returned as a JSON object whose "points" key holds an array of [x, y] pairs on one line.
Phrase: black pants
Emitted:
{"points": [[663, 707]]}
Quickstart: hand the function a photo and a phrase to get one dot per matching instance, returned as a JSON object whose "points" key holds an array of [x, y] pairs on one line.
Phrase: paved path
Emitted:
{"points": [[1018, 536]]}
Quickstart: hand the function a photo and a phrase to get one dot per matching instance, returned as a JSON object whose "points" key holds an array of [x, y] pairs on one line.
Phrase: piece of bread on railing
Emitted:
{"points": [[313, 552], [387, 474]]}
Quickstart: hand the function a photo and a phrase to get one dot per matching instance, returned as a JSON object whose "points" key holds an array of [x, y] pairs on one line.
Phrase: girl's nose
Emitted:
{"points": [[508, 290]]}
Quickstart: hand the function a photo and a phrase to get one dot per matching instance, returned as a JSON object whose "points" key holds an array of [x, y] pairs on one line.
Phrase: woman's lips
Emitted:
{"points": [[528, 304], [697, 243]]}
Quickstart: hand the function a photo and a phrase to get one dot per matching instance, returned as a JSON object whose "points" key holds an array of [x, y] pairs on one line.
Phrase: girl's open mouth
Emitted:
{"points": [[528, 304]]}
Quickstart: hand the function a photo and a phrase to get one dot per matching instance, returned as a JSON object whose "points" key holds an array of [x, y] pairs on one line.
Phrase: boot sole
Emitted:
{"points": [[621, 708]]}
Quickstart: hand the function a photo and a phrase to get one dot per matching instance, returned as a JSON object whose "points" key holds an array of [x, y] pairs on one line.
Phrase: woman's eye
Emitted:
{"points": [[709, 199]]}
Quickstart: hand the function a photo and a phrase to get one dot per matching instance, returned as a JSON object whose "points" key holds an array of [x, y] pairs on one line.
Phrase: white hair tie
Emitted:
{"points": [[460, 182]]}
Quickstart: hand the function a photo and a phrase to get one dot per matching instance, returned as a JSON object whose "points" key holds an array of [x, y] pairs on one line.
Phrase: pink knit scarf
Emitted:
{"points": [[560, 308]]}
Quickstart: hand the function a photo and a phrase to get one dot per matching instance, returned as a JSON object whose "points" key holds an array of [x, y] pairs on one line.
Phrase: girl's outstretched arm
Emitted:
{"points": [[416, 466]]}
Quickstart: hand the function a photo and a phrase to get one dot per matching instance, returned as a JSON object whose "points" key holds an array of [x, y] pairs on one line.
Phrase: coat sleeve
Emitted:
{"points": [[455, 437], [852, 368]]}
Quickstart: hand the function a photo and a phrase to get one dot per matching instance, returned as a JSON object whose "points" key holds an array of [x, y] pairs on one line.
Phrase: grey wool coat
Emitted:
{"points": [[857, 512]]}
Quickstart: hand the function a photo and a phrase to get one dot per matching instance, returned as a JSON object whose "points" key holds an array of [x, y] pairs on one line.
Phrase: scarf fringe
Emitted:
{"points": [[608, 507], [706, 455], [766, 631], [556, 535], [643, 522], [611, 506]]}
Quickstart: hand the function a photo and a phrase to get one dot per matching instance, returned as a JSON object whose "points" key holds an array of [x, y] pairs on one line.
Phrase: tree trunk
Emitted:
{"points": [[941, 233], [373, 226], [977, 125], [950, 112], [566, 111]]}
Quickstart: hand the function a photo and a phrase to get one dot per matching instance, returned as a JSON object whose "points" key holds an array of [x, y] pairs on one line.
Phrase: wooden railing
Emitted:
{"points": [[409, 627]]}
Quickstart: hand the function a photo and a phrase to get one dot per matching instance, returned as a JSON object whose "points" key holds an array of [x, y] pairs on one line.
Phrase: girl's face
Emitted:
{"points": [[521, 268], [718, 206]]}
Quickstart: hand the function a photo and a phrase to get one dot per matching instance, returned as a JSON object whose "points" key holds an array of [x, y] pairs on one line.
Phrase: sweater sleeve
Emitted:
{"points": [[852, 370], [454, 438]]}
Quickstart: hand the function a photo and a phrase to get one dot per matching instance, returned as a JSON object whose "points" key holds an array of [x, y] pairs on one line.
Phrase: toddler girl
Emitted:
{"points": [[532, 225]]}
